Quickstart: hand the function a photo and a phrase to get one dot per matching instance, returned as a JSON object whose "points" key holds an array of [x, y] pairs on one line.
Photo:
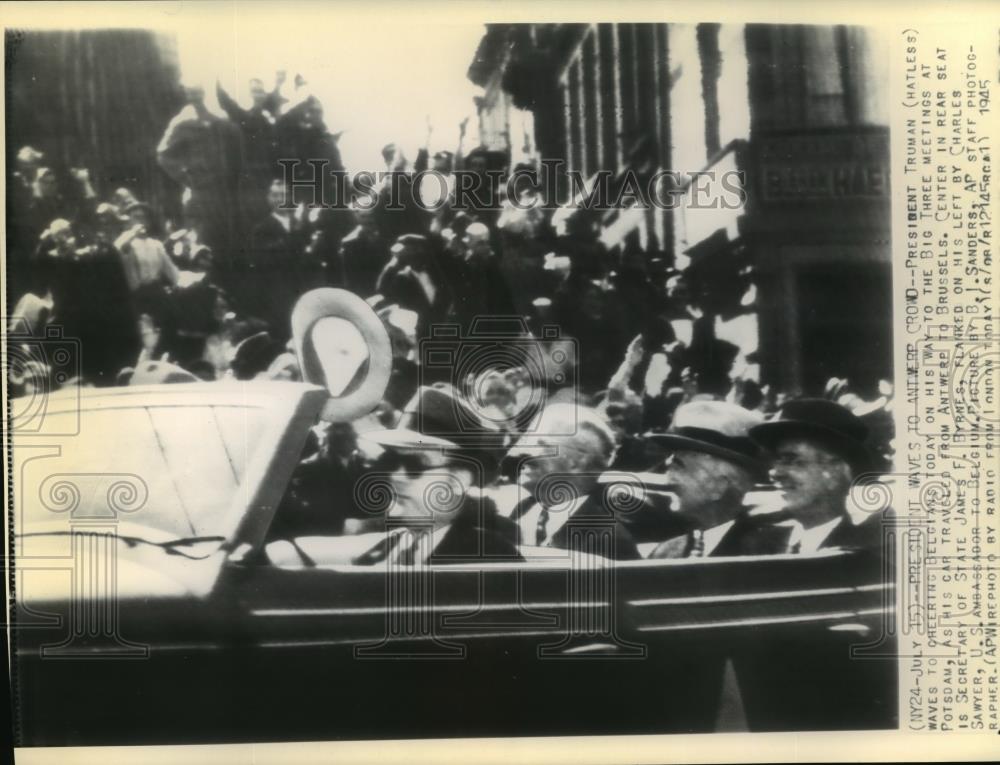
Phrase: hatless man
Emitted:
{"points": [[362, 255], [413, 279], [257, 125], [478, 284], [203, 153], [561, 460], [271, 277]]}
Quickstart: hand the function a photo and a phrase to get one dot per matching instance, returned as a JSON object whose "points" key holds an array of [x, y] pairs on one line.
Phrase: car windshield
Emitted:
{"points": [[173, 468]]}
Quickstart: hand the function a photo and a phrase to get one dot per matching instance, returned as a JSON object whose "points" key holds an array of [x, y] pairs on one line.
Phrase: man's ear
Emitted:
{"points": [[464, 475]]}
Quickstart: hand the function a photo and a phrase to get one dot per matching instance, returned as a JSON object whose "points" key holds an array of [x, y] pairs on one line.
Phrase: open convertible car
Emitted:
{"points": [[146, 609]]}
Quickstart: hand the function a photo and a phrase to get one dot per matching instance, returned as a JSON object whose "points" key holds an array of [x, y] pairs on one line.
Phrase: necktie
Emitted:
{"points": [[407, 554], [540, 528], [696, 544], [382, 550]]}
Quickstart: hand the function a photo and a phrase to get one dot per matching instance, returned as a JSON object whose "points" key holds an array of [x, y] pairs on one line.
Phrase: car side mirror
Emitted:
{"points": [[343, 346]]}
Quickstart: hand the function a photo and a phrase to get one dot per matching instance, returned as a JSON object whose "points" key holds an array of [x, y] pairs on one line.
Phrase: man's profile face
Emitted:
{"points": [[697, 479], [428, 486], [808, 475], [553, 458], [572, 455]]}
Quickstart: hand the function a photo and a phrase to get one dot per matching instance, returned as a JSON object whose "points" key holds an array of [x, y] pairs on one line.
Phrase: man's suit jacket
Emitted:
{"points": [[402, 287], [807, 679], [476, 533], [361, 258], [749, 535], [864, 537], [593, 514], [259, 139], [271, 277]]}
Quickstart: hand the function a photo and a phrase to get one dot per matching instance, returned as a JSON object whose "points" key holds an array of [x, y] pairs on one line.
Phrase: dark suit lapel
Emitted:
{"points": [[751, 535], [592, 513]]}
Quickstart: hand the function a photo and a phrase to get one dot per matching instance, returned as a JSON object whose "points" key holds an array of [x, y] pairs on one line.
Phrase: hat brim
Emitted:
{"points": [[769, 434], [404, 438], [675, 441], [331, 302]]}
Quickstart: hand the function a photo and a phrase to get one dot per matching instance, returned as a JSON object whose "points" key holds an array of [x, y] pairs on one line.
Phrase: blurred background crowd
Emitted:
{"points": [[210, 294]]}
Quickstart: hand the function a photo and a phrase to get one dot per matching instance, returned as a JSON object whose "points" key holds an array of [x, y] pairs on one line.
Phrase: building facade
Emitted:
{"points": [[797, 276]]}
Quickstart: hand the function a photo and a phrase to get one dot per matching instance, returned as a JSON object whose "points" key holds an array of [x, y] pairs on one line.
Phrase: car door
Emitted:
{"points": [[807, 640], [537, 646], [128, 502]]}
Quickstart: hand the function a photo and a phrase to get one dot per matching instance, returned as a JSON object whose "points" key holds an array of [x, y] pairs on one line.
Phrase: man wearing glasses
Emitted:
{"points": [[436, 463]]}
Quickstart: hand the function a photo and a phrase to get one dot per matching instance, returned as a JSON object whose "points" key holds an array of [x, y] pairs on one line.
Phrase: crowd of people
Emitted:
{"points": [[209, 296]]}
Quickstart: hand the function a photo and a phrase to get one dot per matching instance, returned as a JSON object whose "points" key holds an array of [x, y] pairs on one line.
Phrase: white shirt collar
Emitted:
{"points": [[558, 516], [711, 537], [284, 220], [810, 540]]}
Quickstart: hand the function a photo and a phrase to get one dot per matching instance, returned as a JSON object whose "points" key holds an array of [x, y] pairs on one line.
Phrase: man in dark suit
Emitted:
{"points": [[203, 153], [320, 496], [478, 284], [414, 279], [362, 255], [818, 449], [437, 461], [432, 469], [399, 208], [808, 679], [560, 463], [711, 466], [271, 278], [257, 126]]}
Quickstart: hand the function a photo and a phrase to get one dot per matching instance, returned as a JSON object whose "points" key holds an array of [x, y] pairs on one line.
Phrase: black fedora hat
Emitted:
{"points": [[253, 355], [717, 428], [831, 425], [438, 417]]}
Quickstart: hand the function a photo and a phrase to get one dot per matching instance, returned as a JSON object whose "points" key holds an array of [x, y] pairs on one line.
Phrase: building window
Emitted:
{"points": [[810, 76], [591, 106], [610, 97], [627, 80], [575, 123], [711, 69]]}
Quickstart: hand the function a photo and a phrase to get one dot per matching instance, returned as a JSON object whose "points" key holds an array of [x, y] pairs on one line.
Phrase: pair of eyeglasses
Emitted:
{"points": [[414, 464]]}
